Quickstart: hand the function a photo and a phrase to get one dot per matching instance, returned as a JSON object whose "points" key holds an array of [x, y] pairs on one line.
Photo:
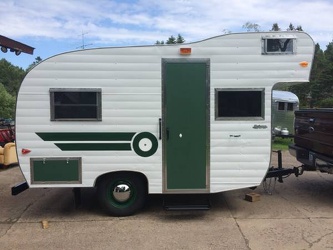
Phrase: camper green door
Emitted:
{"points": [[185, 124]]}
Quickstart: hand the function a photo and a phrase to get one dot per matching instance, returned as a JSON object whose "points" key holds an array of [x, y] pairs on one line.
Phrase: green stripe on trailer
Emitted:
{"points": [[94, 146], [89, 136], [144, 144]]}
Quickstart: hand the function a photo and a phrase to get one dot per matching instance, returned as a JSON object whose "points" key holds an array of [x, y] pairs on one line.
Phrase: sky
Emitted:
{"points": [[57, 26]]}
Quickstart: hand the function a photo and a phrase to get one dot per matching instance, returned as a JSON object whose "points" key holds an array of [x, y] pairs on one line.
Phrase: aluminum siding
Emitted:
{"points": [[130, 79]]}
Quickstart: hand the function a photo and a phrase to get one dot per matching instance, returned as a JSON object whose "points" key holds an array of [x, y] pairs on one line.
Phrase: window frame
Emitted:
{"points": [[98, 92], [264, 45], [287, 106], [280, 104], [240, 118], [292, 105]]}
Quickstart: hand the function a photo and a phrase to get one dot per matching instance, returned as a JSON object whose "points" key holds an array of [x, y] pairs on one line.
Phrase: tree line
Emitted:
{"points": [[10, 80], [318, 93]]}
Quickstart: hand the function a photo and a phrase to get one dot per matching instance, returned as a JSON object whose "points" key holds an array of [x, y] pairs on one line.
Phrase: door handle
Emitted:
{"points": [[160, 128]]}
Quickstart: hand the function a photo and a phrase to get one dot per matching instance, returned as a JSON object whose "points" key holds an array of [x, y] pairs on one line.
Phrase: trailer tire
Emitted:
{"points": [[122, 193]]}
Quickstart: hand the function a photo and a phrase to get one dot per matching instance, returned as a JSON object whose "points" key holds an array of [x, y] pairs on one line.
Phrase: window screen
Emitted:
{"points": [[75, 104], [278, 45], [239, 104], [281, 105], [285, 106], [290, 106]]}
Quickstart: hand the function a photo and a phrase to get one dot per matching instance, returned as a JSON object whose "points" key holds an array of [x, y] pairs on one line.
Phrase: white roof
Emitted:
{"points": [[286, 96]]}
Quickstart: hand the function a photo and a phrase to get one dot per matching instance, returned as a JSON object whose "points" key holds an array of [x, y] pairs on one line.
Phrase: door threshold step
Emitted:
{"points": [[186, 202], [186, 207]]}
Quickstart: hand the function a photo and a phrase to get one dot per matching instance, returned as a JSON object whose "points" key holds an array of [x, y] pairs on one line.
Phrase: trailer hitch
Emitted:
{"points": [[280, 173]]}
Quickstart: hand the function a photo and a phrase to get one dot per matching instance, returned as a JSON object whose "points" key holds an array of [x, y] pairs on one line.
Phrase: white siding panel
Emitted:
{"points": [[131, 82]]}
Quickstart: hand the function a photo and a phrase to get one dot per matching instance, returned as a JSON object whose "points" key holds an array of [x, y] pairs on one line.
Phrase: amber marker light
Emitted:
{"points": [[185, 51], [304, 64]]}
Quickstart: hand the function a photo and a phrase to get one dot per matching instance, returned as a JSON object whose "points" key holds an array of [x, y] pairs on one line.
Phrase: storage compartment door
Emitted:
{"points": [[55, 170]]}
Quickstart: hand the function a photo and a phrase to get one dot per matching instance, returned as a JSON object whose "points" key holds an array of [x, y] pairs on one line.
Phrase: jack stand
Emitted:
{"points": [[77, 197]]}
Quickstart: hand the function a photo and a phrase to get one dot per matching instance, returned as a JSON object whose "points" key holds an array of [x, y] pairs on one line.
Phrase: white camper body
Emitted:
{"points": [[284, 104], [185, 118]]}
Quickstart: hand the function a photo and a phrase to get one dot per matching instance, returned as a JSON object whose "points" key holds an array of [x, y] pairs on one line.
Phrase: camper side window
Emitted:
{"points": [[290, 106], [278, 46], [240, 104], [75, 104], [283, 105]]}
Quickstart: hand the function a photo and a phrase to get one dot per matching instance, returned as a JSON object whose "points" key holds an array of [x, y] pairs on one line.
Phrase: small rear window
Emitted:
{"points": [[281, 105], [290, 106], [278, 46]]}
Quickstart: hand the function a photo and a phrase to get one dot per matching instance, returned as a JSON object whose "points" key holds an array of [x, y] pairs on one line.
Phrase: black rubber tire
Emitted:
{"points": [[137, 197]]}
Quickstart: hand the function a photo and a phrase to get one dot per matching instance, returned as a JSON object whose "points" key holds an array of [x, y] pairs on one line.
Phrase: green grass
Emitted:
{"points": [[281, 143]]}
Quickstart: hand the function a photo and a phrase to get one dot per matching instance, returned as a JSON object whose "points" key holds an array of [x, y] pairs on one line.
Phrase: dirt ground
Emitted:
{"points": [[297, 214]]}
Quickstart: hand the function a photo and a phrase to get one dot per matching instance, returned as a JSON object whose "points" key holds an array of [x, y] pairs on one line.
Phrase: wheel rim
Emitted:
{"points": [[121, 194]]}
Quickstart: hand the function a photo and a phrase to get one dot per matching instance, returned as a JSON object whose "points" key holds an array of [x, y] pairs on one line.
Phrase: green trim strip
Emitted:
{"points": [[94, 146], [151, 138], [118, 141], [75, 136]]}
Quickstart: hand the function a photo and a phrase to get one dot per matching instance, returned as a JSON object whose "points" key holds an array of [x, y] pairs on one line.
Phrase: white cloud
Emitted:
{"points": [[145, 21]]}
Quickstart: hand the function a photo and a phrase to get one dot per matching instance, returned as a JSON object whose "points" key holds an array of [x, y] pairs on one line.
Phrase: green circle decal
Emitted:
{"points": [[145, 144]]}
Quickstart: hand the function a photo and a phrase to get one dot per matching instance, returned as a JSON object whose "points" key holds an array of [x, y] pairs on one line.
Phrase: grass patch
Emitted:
{"points": [[282, 143]]}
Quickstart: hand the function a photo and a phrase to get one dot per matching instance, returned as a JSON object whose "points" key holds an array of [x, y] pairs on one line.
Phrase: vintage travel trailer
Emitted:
{"points": [[284, 105], [160, 119]]}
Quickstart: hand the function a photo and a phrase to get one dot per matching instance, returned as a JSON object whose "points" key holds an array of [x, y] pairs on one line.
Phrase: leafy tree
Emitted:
{"points": [[322, 87], [226, 31], [251, 27], [299, 28], [38, 60], [317, 93], [11, 76], [180, 39], [7, 103], [275, 27], [326, 103], [308, 92], [329, 52], [291, 27], [172, 40]]}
